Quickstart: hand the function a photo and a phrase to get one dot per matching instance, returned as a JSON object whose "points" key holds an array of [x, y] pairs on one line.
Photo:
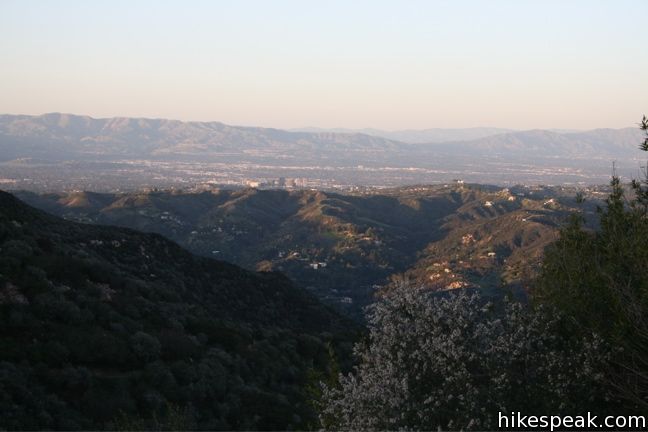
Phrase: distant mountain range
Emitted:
{"points": [[482, 154], [593, 144], [64, 136], [81, 136], [418, 136]]}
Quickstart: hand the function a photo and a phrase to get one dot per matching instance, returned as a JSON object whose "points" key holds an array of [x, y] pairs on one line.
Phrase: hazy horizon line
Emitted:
{"points": [[324, 128]]}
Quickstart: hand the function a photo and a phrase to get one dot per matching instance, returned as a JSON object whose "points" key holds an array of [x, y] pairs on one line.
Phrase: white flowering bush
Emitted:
{"points": [[454, 361]]}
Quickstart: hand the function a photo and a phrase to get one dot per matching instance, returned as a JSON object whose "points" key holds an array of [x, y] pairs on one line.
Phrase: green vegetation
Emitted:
{"points": [[362, 239], [454, 360], [600, 279], [108, 328]]}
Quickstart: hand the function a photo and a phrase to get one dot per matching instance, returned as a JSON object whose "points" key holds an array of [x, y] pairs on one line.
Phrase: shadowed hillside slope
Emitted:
{"points": [[102, 325], [343, 247]]}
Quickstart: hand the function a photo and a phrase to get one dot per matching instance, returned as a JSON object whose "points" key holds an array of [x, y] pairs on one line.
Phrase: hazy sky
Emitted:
{"points": [[391, 65]]}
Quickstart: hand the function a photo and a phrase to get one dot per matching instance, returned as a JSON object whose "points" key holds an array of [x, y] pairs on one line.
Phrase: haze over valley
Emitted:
{"points": [[328, 216], [68, 152], [340, 212]]}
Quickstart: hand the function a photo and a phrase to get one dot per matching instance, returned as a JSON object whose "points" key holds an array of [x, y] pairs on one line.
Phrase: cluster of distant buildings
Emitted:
{"points": [[281, 182]]}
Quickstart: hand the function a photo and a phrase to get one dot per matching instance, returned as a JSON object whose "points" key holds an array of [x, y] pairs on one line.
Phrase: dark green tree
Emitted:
{"points": [[600, 279]]}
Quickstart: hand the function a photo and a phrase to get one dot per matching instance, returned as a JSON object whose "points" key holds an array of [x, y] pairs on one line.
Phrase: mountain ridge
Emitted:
{"points": [[23, 125], [341, 245], [170, 150]]}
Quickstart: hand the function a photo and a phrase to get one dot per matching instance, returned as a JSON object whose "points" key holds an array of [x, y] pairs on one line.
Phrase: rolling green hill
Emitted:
{"points": [[344, 246], [106, 327]]}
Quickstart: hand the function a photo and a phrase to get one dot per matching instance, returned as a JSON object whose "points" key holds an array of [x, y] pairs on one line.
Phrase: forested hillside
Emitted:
{"points": [[104, 327], [345, 246]]}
